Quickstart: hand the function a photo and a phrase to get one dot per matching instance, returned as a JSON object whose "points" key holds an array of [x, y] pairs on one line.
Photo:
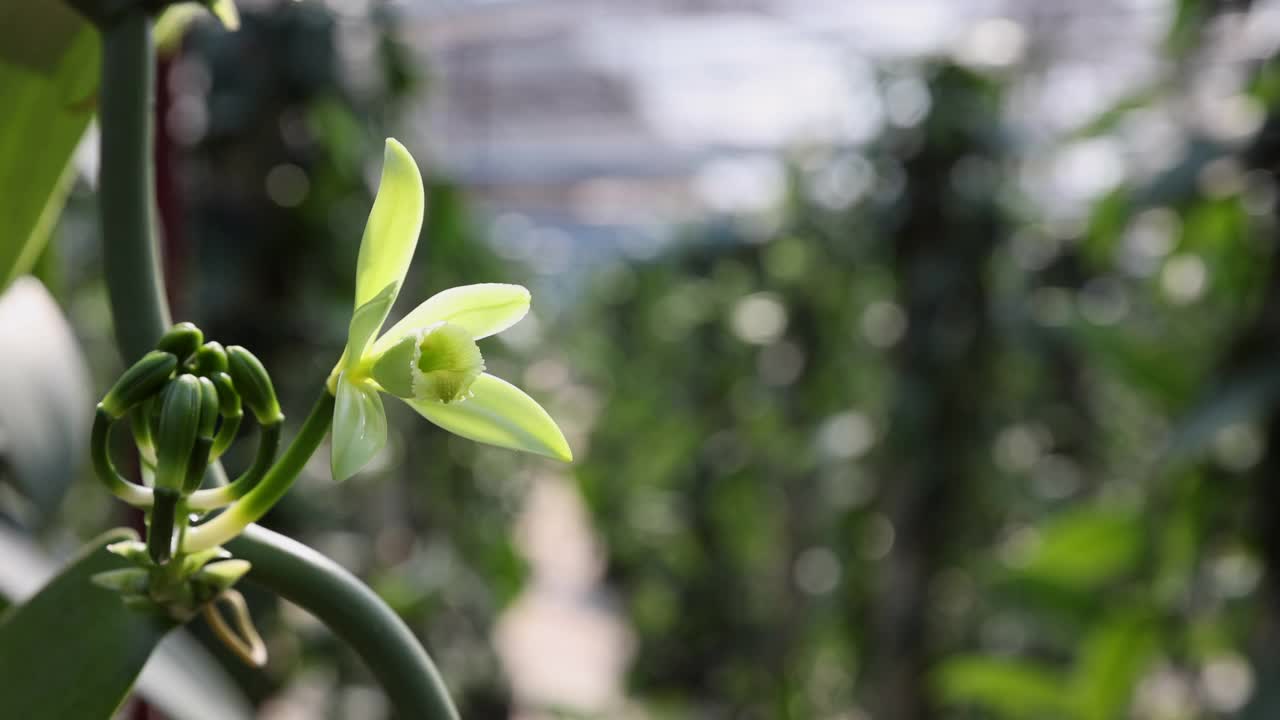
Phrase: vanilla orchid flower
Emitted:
{"points": [[429, 359]]}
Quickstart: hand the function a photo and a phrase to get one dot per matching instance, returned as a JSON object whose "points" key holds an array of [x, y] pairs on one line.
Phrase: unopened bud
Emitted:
{"points": [[177, 430], [192, 562], [209, 407], [222, 574], [139, 382], [229, 408], [209, 359], [130, 581], [181, 340], [254, 384], [132, 550]]}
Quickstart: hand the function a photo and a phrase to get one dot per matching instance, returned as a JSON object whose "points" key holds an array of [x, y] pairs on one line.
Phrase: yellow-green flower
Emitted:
{"points": [[430, 358]]}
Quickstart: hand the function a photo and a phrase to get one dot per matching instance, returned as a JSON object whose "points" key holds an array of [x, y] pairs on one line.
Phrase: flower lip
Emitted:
{"points": [[445, 362], [437, 363]]}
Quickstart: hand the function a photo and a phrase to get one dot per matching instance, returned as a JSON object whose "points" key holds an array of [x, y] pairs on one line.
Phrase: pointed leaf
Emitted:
{"points": [[1084, 549], [359, 428], [392, 232], [49, 62], [181, 679], [1113, 656], [1007, 688], [482, 310], [499, 413], [74, 650]]}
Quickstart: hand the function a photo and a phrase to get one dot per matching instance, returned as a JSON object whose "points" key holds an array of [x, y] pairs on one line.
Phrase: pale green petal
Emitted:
{"points": [[392, 232], [359, 428], [364, 323], [499, 413], [481, 310]]}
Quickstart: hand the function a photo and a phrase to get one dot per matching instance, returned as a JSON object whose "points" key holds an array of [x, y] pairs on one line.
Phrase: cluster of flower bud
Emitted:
{"points": [[184, 402]]}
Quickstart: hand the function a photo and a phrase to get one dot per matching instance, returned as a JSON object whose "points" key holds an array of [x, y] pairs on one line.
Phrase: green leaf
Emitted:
{"points": [[37, 36], [1084, 549], [481, 310], [359, 428], [44, 418], [1008, 688], [391, 235], [74, 650], [48, 77], [181, 679], [499, 413], [1112, 658]]}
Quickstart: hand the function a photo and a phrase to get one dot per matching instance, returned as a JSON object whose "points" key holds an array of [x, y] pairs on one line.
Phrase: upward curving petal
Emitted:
{"points": [[481, 310], [359, 428], [499, 413], [393, 228]]}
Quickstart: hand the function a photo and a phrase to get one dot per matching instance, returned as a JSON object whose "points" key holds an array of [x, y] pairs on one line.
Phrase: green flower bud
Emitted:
{"points": [[181, 340], [254, 385], [222, 574], [131, 550], [209, 359], [199, 459], [193, 562], [209, 407], [177, 430], [129, 581], [439, 363], [228, 398], [229, 408], [139, 382]]}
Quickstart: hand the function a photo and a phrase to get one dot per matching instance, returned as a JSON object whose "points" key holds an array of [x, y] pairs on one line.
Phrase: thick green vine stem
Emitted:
{"points": [[353, 611], [125, 185]]}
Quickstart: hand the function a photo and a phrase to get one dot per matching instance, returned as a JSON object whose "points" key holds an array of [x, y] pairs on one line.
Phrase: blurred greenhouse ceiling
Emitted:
{"points": [[596, 116]]}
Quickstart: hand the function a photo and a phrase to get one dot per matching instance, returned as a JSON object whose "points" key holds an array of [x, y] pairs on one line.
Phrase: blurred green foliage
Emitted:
{"points": [[979, 462]]}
